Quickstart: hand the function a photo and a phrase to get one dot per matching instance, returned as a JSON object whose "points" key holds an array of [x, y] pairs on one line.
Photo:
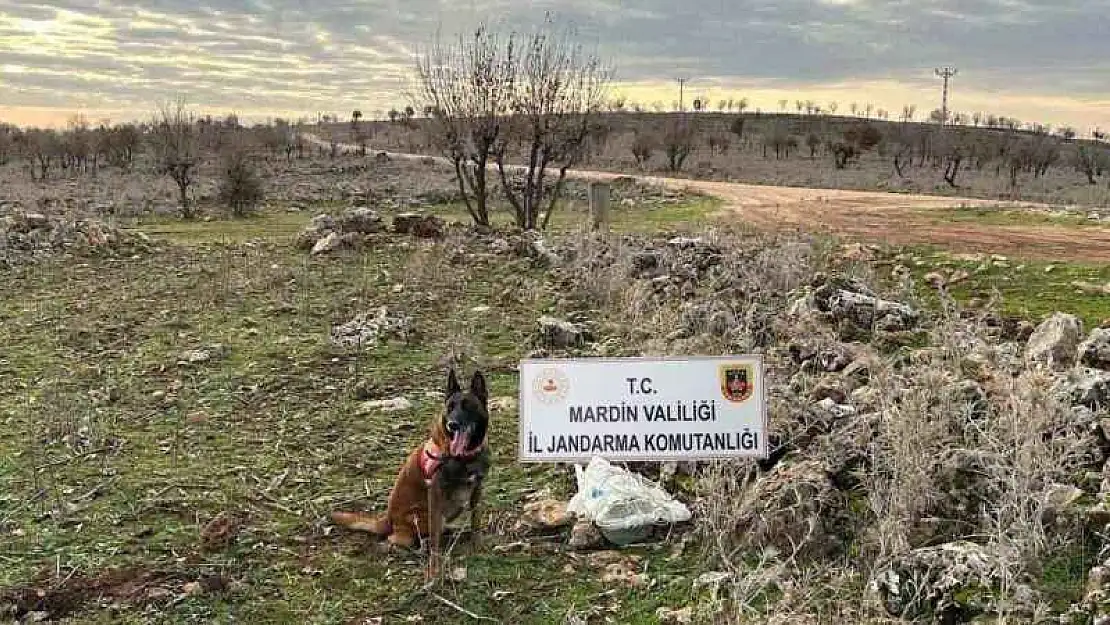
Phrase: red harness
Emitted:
{"points": [[432, 458]]}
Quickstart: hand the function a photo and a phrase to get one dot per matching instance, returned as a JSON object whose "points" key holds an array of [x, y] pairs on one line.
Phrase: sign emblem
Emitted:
{"points": [[737, 383], [550, 386]]}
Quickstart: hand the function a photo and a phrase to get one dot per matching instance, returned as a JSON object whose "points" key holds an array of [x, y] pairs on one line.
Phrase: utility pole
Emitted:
{"points": [[945, 73], [681, 89]]}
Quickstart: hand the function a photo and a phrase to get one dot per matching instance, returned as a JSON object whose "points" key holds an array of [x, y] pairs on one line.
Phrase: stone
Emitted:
{"points": [[585, 536], [646, 264], [361, 220], [330, 243], [560, 334], [546, 514], [828, 389], [835, 358], [1055, 341], [837, 410], [1085, 387], [396, 404], [195, 356], [857, 374], [951, 582], [368, 329], [419, 225], [1095, 350], [671, 616], [866, 398], [848, 300]]}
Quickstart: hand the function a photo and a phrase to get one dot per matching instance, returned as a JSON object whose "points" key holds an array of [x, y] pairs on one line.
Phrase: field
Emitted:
{"points": [[179, 420], [714, 150]]}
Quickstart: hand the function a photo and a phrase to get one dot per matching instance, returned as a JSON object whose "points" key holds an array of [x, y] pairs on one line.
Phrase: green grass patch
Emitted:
{"points": [[1027, 289], [118, 450], [1006, 217]]}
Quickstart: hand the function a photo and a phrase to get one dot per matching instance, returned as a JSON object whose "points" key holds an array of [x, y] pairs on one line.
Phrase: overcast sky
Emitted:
{"points": [[1038, 60]]}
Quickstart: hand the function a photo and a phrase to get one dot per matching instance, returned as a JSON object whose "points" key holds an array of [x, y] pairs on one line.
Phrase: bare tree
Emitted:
{"points": [[643, 146], [678, 141], [558, 91], [1091, 162], [175, 148], [468, 87]]}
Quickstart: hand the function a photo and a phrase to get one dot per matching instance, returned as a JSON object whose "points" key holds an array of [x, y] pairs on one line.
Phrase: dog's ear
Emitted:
{"points": [[478, 386], [453, 385]]}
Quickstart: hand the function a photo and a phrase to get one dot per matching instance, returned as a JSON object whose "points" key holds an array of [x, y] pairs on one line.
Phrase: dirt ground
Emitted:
{"points": [[881, 217]]}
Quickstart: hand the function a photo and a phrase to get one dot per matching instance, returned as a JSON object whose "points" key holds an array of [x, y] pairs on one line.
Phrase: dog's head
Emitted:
{"points": [[467, 416]]}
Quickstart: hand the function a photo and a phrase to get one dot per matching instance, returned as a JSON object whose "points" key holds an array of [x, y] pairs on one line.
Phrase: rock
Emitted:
{"points": [[837, 410], [828, 389], [419, 225], [866, 398], [934, 279], [712, 581], [585, 536], [1095, 351], [834, 358], [845, 451], [848, 300], [560, 334], [1085, 387], [330, 243], [546, 514], [672, 616], [1060, 497], [195, 356], [794, 506], [367, 330], [950, 582], [646, 264], [361, 220], [1055, 341], [857, 374], [396, 404], [503, 404]]}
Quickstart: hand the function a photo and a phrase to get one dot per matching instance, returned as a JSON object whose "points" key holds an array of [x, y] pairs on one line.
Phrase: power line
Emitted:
{"points": [[945, 73], [681, 90]]}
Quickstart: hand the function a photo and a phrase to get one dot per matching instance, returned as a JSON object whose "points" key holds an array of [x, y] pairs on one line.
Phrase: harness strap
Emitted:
{"points": [[432, 458]]}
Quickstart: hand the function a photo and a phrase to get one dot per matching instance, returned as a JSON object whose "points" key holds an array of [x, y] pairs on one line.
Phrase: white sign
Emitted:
{"points": [[642, 409]]}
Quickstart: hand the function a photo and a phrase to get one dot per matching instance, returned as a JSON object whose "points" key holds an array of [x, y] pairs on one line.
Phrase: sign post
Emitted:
{"points": [[642, 409]]}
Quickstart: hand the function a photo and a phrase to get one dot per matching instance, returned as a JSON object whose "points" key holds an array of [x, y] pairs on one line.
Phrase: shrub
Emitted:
{"points": [[241, 187], [643, 146]]}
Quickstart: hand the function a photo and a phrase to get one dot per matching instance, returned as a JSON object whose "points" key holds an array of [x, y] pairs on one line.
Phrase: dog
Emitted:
{"points": [[441, 477]]}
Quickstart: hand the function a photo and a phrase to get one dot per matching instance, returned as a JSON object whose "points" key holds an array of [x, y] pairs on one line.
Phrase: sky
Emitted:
{"points": [[1045, 61]]}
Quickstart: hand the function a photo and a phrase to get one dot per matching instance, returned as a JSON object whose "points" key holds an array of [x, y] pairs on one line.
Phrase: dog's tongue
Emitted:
{"points": [[460, 444]]}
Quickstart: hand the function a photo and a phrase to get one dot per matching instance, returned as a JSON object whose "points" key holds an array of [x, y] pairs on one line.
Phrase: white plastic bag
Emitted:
{"points": [[622, 504]]}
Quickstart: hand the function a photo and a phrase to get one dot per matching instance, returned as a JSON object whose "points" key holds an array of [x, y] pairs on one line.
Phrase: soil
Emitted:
{"points": [[880, 217]]}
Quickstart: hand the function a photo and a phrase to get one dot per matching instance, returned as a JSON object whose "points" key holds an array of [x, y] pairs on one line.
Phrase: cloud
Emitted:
{"points": [[265, 57]]}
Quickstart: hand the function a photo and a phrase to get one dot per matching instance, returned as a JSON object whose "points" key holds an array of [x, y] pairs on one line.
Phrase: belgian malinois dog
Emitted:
{"points": [[441, 477]]}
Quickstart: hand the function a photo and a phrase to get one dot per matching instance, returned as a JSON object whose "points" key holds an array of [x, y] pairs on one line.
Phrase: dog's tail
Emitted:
{"points": [[360, 521]]}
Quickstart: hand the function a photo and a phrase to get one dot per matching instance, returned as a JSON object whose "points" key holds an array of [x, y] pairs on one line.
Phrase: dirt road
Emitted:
{"points": [[873, 216]]}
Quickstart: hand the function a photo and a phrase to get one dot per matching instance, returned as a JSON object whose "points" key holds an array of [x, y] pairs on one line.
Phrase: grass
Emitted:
{"points": [[117, 451], [1006, 217], [1027, 289]]}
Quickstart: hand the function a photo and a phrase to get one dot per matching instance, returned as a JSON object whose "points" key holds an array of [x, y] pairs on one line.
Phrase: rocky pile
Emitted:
{"points": [[889, 425], [357, 226], [26, 236], [368, 329]]}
